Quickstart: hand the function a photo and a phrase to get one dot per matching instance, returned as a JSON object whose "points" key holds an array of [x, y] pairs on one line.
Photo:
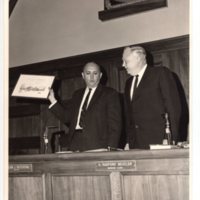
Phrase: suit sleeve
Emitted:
{"points": [[126, 108], [114, 119], [63, 113], [172, 102]]}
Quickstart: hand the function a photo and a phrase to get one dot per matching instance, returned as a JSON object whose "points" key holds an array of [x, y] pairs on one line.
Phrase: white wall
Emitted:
{"points": [[43, 30]]}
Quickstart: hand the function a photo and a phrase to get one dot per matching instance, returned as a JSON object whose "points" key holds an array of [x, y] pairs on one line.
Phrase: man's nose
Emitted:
{"points": [[91, 76]]}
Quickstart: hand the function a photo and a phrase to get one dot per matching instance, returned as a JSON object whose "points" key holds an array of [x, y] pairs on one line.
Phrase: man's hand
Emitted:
{"points": [[51, 96]]}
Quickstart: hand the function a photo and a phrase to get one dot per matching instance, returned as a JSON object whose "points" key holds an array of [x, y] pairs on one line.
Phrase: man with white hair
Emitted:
{"points": [[150, 93]]}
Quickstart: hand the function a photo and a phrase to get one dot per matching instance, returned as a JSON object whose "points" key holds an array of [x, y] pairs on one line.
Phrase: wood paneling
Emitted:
{"points": [[156, 174], [68, 86], [20, 145], [156, 187], [26, 188], [24, 126], [81, 187], [24, 110]]}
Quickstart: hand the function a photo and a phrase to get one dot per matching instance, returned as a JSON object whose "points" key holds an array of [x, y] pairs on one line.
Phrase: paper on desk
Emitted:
{"points": [[162, 146], [97, 150], [64, 152]]}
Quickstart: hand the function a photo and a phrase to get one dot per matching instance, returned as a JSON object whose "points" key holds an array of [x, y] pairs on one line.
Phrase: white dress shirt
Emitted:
{"points": [[140, 75], [83, 99]]}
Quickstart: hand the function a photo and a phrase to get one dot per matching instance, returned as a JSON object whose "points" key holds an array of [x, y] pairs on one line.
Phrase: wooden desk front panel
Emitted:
{"points": [[156, 187], [145, 175], [81, 187], [26, 188]]}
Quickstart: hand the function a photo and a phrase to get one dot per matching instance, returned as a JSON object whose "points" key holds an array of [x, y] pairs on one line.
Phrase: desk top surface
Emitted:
{"points": [[104, 155]]}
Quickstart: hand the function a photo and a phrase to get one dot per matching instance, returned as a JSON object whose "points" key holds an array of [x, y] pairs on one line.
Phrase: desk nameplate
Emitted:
{"points": [[125, 165], [13, 168]]}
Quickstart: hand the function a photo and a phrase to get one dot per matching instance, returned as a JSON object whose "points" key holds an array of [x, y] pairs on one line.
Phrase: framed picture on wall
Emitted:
{"points": [[33, 86], [119, 8]]}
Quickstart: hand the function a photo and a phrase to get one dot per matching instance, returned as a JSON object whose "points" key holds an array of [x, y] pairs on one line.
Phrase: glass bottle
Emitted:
{"points": [[167, 134]]}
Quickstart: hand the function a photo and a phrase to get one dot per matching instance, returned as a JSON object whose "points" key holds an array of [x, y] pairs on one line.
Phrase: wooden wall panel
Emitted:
{"points": [[110, 72], [81, 187], [178, 62], [68, 87], [123, 76], [26, 188], [156, 187], [24, 126], [184, 71]]}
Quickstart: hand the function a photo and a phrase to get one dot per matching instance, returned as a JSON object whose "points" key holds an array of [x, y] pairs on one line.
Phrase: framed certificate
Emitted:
{"points": [[33, 86]]}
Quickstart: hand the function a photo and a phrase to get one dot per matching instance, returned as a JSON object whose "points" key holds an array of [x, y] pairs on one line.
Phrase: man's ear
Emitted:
{"points": [[101, 74], [83, 75]]}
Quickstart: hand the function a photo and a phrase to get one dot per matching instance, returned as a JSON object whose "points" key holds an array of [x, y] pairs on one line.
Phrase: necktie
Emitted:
{"points": [[84, 109], [135, 85]]}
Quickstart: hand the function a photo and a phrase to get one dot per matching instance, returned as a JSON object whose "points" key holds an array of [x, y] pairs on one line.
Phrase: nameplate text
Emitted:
{"points": [[20, 168], [127, 165]]}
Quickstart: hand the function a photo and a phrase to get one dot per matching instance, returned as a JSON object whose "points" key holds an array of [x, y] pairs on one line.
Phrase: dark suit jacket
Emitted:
{"points": [[156, 94], [102, 119]]}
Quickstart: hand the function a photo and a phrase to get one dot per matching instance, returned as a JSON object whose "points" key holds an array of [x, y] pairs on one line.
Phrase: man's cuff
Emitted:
{"points": [[51, 105]]}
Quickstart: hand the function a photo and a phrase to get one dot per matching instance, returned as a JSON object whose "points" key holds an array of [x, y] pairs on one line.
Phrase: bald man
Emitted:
{"points": [[150, 92], [94, 117]]}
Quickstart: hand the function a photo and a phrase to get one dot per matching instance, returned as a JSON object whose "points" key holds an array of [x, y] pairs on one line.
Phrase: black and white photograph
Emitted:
{"points": [[99, 100]]}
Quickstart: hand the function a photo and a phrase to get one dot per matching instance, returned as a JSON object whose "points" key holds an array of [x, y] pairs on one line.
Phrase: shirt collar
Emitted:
{"points": [[92, 89], [142, 71]]}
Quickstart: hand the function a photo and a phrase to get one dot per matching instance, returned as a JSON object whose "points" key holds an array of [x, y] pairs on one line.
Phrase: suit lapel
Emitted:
{"points": [[78, 101], [142, 83], [95, 96]]}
